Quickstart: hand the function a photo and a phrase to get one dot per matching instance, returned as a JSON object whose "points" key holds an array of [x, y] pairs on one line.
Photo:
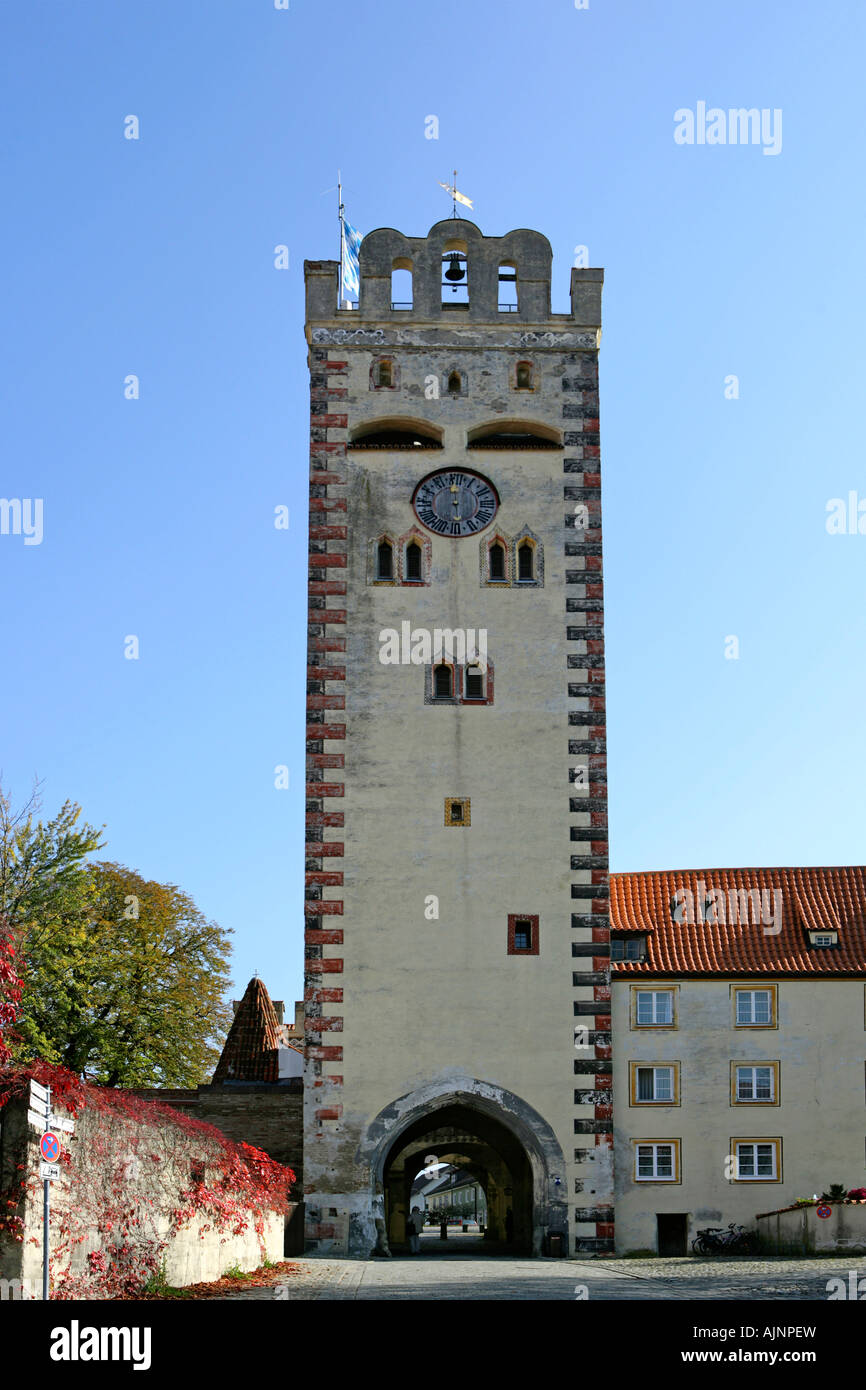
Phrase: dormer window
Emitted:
{"points": [[823, 938], [628, 948]]}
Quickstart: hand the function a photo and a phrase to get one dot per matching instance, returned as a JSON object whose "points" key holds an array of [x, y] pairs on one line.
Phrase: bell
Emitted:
{"points": [[455, 270]]}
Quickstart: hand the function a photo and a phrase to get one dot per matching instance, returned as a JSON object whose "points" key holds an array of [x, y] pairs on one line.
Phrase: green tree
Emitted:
{"points": [[122, 978]]}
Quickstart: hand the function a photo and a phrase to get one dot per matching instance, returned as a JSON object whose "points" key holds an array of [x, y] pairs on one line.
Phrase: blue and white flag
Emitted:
{"points": [[351, 247]]}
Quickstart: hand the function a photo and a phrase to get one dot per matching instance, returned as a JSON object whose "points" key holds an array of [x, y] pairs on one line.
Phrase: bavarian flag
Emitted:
{"points": [[351, 247]]}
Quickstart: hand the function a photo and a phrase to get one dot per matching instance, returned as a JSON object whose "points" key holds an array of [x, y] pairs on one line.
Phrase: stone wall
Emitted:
{"points": [[799, 1230], [270, 1117], [129, 1202]]}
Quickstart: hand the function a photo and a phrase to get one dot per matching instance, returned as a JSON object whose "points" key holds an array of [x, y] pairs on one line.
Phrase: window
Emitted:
{"points": [[458, 810], [757, 1160], [657, 1160], [523, 377], [525, 561], [385, 561], [628, 948], [383, 373], [496, 562], [755, 1083], [654, 1085], [413, 561], [507, 288], [401, 285], [443, 683], [522, 934], [653, 1008], [755, 1008], [474, 683], [455, 384], [455, 280], [823, 938]]}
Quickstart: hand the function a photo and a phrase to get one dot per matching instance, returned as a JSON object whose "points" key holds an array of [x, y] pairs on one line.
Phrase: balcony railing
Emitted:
{"points": [[400, 304]]}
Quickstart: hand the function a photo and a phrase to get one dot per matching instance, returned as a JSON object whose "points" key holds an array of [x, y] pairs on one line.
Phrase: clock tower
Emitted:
{"points": [[457, 958]]}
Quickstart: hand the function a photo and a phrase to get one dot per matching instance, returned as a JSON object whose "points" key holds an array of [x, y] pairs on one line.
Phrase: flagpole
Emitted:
{"points": [[342, 235]]}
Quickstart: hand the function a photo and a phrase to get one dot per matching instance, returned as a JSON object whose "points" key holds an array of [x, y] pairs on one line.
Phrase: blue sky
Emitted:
{"points": [[156, 257]]}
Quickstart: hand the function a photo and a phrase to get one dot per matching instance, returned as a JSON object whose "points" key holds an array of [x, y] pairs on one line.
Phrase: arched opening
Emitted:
{"points": [[396, 433], [385, 560], [443, 682], [383, 373], [514, 434], [455, 277], [455, 384], [413, 562], [507, 288], [526, 561], [458, 1164], [401, 284], [496, 562], [524, 376]]}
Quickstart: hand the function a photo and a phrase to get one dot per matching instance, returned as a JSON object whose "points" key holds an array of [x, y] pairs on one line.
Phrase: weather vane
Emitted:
{"points": [[456, 197]]}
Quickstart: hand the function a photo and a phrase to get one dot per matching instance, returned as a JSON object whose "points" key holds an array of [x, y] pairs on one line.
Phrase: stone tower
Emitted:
{"points": [[457, 957]]}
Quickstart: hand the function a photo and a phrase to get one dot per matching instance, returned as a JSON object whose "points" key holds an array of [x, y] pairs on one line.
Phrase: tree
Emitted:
{"points": [[122, 978], [141, 989]]}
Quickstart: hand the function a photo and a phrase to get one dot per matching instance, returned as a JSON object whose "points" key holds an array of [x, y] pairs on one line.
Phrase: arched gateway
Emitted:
{"points": [[508, 1146], [457, 981]]}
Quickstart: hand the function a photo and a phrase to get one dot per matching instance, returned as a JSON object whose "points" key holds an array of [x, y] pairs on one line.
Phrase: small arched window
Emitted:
{"points": [[497, 561], [525, 561], [384, 373], [385, 561], [413, 561], [507, 288], [455, 384], [524, 380], [442, 683]]}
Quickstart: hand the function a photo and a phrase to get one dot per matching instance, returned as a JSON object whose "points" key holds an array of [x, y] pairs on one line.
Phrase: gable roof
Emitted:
{"points": [[251, 1051], [738, 941]]}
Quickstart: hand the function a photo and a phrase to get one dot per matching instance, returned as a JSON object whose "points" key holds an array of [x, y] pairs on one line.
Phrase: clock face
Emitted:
{"points": [[455, 503]]}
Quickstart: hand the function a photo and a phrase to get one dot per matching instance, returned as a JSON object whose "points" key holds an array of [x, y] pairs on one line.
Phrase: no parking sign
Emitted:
{"points": [[49, 1147], [823, 1211]]}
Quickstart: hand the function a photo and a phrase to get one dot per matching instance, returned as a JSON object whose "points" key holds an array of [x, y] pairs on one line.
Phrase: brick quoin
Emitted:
{"points": [[328, 966], [324, 936], [323, 909], [326, 1054]]}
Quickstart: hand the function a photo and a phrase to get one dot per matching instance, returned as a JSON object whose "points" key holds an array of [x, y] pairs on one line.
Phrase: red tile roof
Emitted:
{"points": [[251, 1051], [831, 899]]}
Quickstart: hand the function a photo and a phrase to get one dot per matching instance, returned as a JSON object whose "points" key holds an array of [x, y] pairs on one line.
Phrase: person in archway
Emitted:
{"points": [[415, 1225]]}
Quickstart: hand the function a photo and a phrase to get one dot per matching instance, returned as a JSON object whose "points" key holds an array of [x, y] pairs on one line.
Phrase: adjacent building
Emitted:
{"points": [[739, 1024]]}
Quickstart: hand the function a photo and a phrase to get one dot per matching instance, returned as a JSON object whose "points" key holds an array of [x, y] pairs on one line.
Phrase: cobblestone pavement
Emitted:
{"points": [[453, 1277]]}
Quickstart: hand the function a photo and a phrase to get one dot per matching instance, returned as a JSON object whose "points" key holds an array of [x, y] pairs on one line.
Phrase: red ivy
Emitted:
{"points": [[10, 992], [232, 1189]]}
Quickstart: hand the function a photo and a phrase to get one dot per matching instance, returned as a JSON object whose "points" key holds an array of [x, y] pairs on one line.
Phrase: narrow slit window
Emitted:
{"points": [[385, 561], [442, 684], [413, 561], [497, 561], [525, 562]]}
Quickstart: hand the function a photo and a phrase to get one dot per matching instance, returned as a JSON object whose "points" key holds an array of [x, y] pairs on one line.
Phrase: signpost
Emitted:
{"points": [[39, 1115]]}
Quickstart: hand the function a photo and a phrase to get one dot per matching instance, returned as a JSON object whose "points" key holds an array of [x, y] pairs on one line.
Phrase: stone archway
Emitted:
{"points": [[494, 1133]]}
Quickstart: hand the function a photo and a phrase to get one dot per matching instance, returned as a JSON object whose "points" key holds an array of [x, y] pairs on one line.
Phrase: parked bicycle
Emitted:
{"points": [[716, 1240]]}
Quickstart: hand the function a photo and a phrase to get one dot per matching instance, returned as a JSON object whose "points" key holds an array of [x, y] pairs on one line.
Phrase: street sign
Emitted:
{"points": [[58, 1122], [40, 1091], [49, 1172], [38, 1121], [49, 1147]]}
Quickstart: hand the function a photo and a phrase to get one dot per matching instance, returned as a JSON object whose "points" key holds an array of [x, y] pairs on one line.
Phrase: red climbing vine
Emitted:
{"points": [[10, 991], [137, 1172]]}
